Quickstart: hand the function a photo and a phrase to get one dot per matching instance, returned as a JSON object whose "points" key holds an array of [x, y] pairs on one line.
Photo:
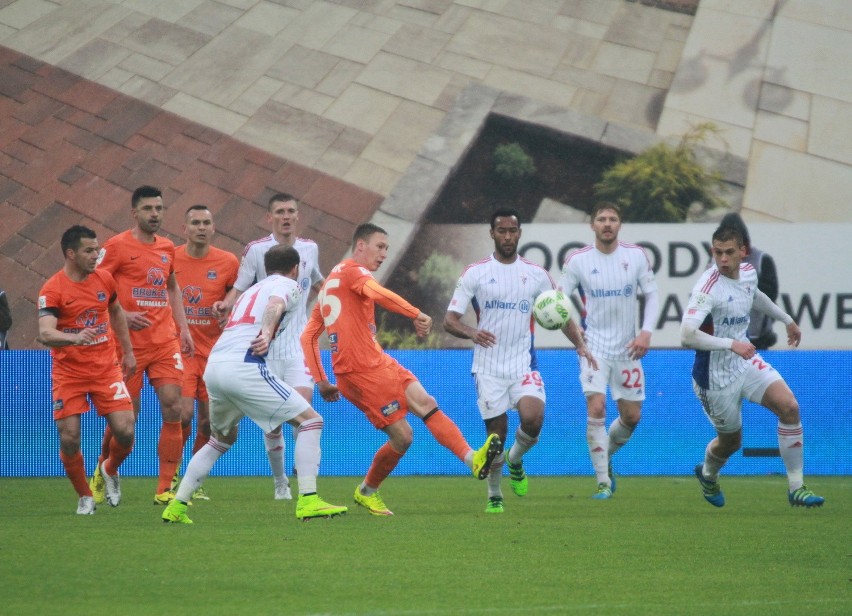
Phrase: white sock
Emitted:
{"points": [[597, 439], [523, 443], [619, 434], [495, 475], [712, 464], [199, 467], [307, 454], [790, 444], [275, 452]]}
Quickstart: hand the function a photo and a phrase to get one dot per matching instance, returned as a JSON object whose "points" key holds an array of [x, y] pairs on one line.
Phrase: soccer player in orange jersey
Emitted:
{"points": [[370, 378], [76, 308], [142, 263], [205, 274]]}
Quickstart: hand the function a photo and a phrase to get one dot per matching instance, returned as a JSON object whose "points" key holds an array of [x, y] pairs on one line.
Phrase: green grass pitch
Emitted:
{"points": [[656, 548]]}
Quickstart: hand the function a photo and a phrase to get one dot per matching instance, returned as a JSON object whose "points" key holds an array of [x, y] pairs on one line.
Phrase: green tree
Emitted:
{"points": [[661, 183], [512, 163]]}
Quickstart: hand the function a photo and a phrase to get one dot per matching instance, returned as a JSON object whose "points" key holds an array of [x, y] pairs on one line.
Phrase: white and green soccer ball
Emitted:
{"points": [[552, 309]]}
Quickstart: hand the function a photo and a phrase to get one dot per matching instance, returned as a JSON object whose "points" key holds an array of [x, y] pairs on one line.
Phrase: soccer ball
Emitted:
{"points": [[552, 309]]}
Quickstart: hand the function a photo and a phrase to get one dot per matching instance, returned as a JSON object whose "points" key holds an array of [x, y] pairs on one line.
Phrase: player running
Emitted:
{"points": [[727, 368]]}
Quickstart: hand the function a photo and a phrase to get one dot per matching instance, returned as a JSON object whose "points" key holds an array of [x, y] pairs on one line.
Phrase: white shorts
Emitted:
{"points": [[293, 371], [723, 407], [239, 389], [625, 378], [495, 396]]}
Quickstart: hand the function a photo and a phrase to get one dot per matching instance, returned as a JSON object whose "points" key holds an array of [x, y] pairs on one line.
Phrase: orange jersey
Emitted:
{"points": [[76, 306], [346, 309], [142, 272], [203, 282]]}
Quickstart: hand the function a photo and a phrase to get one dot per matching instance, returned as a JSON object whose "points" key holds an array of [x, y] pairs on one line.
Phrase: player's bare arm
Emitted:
{"points": [[187, 346], [268, 324], [49, 336], [455, 326], [118, 322], [577, 336]]}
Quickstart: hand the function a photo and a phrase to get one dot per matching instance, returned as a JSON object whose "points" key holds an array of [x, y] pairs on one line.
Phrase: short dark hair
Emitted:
{"points": [[735, 221], [73, 235], [195, 208], [605, 205], [505, 213], [364, 231], [726, 233], [284, 197], [144, 192], [281, 259]]}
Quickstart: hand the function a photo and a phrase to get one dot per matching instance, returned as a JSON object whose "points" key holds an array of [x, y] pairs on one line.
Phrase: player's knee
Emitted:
{"points": [[788, 411]]}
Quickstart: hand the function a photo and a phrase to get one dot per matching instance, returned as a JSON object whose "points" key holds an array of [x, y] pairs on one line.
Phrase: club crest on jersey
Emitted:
{"points": [[156, 277], [628, 290], [101, 296], [524, 306], [212, 275], [390, 409], [88, 319], [192, 295], [304, 284], [164, 258]]}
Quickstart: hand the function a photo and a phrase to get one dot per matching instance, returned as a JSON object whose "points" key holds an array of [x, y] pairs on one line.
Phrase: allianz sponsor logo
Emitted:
{"points": [[735, 320], [496, 304], [627, 291]]}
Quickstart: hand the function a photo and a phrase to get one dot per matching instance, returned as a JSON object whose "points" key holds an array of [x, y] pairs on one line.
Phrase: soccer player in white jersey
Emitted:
{"points": [[727, 368], [501, 290], [285, 357], [240, 384], [608, 275]]}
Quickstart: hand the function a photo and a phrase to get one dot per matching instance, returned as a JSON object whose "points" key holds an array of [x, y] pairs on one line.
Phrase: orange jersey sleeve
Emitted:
{"points": [[310, 344], [203, 282], [141, 272], [76, 306], [347, 303], [387, 299]]}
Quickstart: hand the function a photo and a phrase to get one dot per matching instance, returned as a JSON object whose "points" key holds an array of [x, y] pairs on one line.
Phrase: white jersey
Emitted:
{"points": [[252, 270], [502, 296], [247, 316], [608, 284], [720, 306]]}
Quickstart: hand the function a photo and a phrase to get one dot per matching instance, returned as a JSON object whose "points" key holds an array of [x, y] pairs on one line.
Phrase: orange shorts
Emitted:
{"points": [[379, 393], [164, 365], [71, 395], [193, 378]]}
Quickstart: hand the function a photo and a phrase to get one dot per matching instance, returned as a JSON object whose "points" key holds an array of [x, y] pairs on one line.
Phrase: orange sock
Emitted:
{"points": [[168, 451], [384, 462], [107, 437], [200, 441], [76, 471], [186, 432], [117, 454], [447, 433]]}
